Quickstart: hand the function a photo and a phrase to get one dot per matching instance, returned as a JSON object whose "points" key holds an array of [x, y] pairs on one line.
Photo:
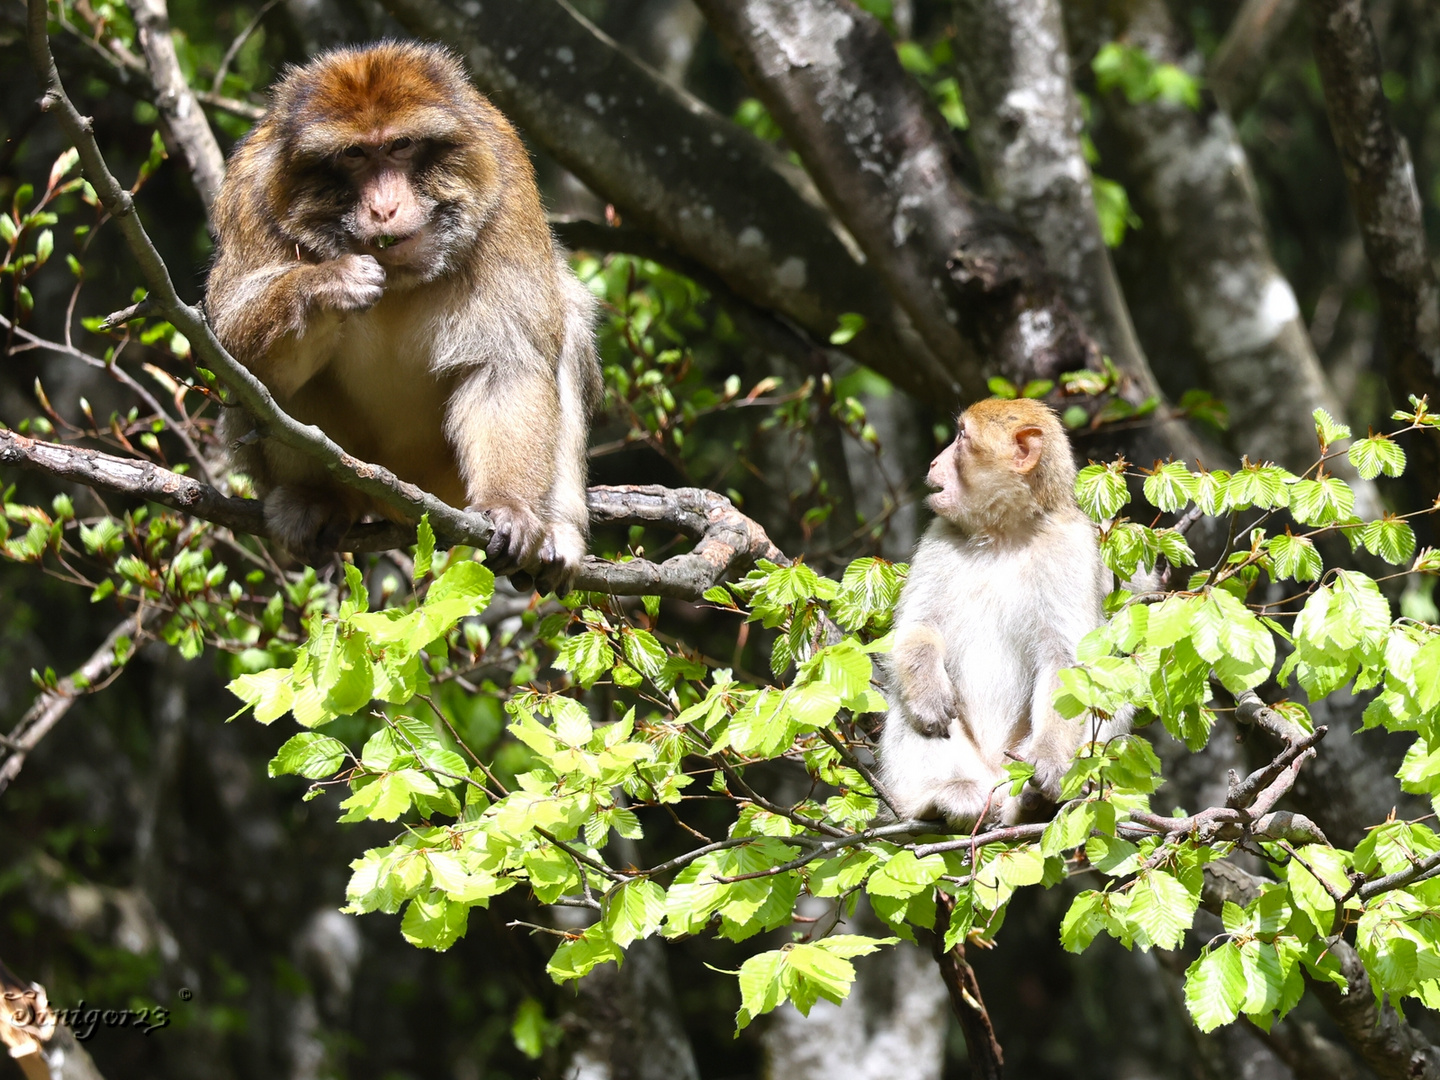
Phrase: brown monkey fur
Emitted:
{"points": [[385, 267], [1003, 586]]}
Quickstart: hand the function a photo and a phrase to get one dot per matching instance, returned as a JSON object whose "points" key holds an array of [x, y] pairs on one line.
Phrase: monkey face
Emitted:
{"points": [[390, 216], [385, 152], [982, 479]]}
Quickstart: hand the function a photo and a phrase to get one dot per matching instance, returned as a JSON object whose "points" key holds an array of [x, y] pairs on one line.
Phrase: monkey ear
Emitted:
{"points": [[1029, 444]]}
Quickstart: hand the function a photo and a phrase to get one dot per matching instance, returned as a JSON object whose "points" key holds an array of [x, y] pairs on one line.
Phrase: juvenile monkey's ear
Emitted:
{"points": [[1029, 445]]}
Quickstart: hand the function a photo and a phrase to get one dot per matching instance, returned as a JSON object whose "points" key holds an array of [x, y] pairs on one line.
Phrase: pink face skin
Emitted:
{"points": [[390, 217], [944, 478]]}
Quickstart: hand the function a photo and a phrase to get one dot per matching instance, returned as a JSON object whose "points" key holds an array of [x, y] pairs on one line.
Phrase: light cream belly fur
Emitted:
{"points": [[393, 412]]}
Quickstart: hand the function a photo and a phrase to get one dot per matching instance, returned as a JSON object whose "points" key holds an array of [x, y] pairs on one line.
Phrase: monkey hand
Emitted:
{"points": [[931, 713], [349, 283]]}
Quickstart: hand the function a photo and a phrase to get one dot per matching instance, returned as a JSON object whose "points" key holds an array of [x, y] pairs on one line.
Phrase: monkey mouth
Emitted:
{"points": [[390, 243]]}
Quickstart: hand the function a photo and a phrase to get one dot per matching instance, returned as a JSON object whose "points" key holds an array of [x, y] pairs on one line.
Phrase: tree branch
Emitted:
{"points": [[177, 104], [974, 284], [1025, 126], [1238, 66], [986, 1057], [728, 541], [1386, 1042], [52, 703], [1381, 179]]}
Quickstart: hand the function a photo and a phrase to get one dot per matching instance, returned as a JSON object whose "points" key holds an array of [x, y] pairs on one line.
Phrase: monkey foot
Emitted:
{"points": [[530, 553], [306, 525]]}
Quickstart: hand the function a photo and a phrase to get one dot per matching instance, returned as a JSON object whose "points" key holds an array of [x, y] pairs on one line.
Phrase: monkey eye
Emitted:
{"points": [[354, 151], [402, 147]]}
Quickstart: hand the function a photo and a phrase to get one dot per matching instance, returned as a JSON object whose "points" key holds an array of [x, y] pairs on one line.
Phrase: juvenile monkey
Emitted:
{"points": [[1005, 583], [385, 267]]}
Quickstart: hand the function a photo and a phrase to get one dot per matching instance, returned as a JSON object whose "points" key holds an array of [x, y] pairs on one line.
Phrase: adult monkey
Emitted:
{"points": [[384, 266], [1003, 586]]}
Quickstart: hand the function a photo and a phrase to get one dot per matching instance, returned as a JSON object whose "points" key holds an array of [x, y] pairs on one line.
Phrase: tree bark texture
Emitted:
{"points": [[1025, 123], [987, 1060], [1386, 199], [727, 540], [1193, 186], [974, 284], [176, 102]]}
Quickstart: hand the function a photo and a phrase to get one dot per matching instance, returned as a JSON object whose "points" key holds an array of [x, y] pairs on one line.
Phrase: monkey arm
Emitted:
{"points": [[579, 388], [283, 322], [504, 423], [926, 690]]}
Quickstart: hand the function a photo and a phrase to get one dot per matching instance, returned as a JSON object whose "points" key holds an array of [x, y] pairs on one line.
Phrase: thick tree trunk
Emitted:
{"points": [[1381, 179], [883, 158], [1025, 122], [1193, 186]]}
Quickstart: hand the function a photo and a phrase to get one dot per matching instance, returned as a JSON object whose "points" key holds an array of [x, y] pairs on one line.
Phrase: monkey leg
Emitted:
{"points": [[579, 389], [928, 777]]}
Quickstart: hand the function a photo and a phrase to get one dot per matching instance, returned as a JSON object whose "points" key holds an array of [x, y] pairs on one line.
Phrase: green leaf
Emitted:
{"points": [[868, 591], [643, 652], [1083, 921], [1390, 538], [760, 986], [467, 581], [587, 656], [905, 875], [1377, 454], [270, 693], [434, 924], [359, 599], [530, 1030], [1163, 908], [424, 550], [1264, 979], [1308, 893], [309, 754], [346, 677], [1069, 829], [1321, 502], [1215, 987], [1294, 557], [1002, 387], [1112, 207], [1101, 491], [851, 323], [633, 911], [1327, 430]]}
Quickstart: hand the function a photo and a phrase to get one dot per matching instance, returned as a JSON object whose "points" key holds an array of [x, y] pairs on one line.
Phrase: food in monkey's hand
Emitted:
{"points": [[1003, 586], [385, 268]]}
